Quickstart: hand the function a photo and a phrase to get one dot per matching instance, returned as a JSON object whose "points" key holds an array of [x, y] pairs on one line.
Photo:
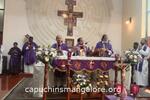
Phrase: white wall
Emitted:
{"points": [[15, 23], [39, 18], [131, 32]]}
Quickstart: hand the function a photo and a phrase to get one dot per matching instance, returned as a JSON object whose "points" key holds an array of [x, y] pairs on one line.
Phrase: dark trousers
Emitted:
{"points": [[59, 78]]}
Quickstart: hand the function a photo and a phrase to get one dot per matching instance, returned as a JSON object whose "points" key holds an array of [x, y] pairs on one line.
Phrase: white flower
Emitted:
{"points": [[135, 60], [131, 57], [127, 52], [134, 52], [135, 56], [52, 49], [39, 49], [106, 76], [46, 52], [90, 85], [84, 83], [46, 49], [39, 53], [46, 59], [53, 54], [88, 89]]}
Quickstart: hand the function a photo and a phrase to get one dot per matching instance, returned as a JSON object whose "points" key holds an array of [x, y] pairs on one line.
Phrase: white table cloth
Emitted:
{"points": [[38, 78]]}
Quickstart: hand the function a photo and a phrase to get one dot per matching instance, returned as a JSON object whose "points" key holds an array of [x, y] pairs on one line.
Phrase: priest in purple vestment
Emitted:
{"points": [[59, 45], [81, 49], [15, 59], [29, 55], [59, 76], [104, 46]]}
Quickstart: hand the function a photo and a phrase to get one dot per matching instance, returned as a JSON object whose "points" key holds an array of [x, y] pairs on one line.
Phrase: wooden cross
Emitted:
{"points": [[70, 17]]}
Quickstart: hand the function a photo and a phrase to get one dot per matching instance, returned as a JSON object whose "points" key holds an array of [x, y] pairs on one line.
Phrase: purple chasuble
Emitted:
{"points": [[106, 45], [29, 53], [62, 46], [103, 44], [15, 60]]}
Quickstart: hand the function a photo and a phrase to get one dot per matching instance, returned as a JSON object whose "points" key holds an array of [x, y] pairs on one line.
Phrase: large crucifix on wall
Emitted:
{"points": [[70, 17]]}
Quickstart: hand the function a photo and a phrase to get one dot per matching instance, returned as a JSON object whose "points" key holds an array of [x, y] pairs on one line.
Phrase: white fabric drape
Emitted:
{"points": [[38, 78], [1, 58], [141, 78]]}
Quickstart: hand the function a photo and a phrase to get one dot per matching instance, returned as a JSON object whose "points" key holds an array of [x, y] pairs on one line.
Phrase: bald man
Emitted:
{"points": [[59, 45], [59, 76]]}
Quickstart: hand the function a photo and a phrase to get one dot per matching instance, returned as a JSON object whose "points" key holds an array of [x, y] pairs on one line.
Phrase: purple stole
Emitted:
{"points": [[141, 63]]}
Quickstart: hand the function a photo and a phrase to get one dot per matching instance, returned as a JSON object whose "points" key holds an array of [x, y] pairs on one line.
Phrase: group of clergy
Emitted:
{"points": [[102, 48], [29, 57], [141, 71], [29, 54], [80, 49]]}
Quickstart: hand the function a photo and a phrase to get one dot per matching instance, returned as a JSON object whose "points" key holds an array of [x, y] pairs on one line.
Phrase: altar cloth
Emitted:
{"points": [[79, 63]]}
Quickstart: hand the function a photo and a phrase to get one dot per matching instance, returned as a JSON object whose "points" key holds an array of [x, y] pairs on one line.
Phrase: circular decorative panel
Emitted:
{"points": [[45, 24]]}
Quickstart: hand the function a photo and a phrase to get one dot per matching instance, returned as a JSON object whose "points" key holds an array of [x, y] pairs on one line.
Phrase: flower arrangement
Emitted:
{"points": [[132, 57], [82, 81], [102, 81], [45, 54]]}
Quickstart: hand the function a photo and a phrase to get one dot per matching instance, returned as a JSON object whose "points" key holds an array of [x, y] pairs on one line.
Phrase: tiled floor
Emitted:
{"points": [[8, 82]]}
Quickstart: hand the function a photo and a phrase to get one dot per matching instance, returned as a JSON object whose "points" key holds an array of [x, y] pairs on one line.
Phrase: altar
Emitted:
{"points": [[79, 63], [104, 64]]}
